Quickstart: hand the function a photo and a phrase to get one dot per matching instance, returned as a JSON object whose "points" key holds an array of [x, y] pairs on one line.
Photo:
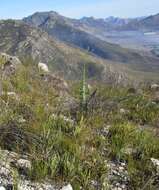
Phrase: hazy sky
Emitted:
{"points": [[79, 8]]}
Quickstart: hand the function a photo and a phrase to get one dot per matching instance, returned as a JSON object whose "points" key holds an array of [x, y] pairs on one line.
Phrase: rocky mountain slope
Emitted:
{"points": [[70, 31], [67, 30], [18, 38], [87, 24], [66, 59]]}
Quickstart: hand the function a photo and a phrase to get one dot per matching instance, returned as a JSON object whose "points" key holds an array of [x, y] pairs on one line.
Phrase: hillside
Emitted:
{"points": [[51, 139], [67, 30], [18, 38], [119, 66], [76, 112]]}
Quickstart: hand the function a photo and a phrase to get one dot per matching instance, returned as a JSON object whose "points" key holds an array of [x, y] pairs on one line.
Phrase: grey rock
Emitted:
{"points": [[67, 187], [118, 177], [2, 188], [9, 60], [28, 185], [23, 164], [155, 163], [155, 87], [8, 66]]}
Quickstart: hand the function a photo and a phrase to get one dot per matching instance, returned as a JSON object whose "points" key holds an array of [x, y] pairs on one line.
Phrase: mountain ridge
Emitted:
{"points": [[18, 38], [109, 63], [66, 30]]}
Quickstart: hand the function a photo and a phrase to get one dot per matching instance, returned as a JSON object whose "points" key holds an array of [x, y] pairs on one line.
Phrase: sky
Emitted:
{"points": [[17, 9]]}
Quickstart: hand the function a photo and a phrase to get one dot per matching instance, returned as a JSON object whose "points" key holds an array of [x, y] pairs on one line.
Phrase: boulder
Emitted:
{"points": [[2, 188], [123, 111], [25, 164], [155, 163], [67, 187], [8, 60], [43, 67], [154, 87]]}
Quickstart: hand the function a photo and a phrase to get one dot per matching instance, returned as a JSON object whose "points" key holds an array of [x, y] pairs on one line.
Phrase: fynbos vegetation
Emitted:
{"points": [[79, 101], [120, 127]]}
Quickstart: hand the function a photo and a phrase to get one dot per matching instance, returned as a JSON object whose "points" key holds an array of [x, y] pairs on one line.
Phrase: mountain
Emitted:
{"points": [[102, 25], [69, 31], [66, 59], [20, 39], [147, 24]]}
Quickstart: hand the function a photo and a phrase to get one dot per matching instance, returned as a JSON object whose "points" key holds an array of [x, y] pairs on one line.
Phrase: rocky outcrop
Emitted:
{"points": [[118, 177], [9, 63], [13, 174]]}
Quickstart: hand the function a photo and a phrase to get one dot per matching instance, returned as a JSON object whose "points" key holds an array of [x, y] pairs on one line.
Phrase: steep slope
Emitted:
{"points": [[18, 38], [67, 30]]}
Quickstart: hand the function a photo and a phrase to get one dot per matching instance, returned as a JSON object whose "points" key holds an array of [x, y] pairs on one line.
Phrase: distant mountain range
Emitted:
{"points": [[80, 33], [69, 31], [65, 44], [113, 23]]}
